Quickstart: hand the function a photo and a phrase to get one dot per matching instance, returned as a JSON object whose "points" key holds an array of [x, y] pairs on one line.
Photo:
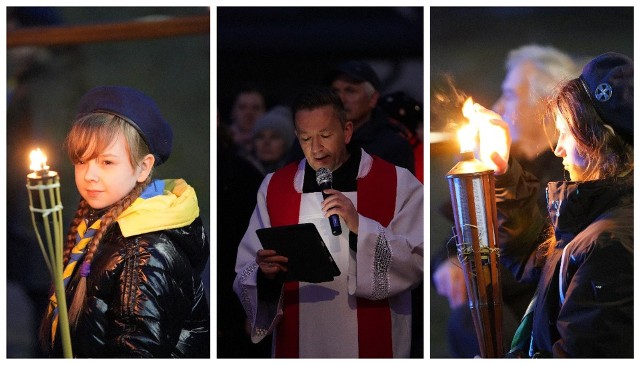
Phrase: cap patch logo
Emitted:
{"points": [[603, 92]]}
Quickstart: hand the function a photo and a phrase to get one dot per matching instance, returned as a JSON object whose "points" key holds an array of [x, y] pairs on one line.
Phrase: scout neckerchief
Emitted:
{"points": [[83, 238]]}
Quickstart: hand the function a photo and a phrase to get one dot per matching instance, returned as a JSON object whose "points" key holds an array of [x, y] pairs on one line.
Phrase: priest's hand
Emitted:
{"points": [[338, 203], [271, 263]]}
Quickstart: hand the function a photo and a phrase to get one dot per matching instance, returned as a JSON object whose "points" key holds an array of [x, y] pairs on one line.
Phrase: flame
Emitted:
{"points": [[492, 138], [467, 134], [38, 160], [468, 109], [466, 138]]}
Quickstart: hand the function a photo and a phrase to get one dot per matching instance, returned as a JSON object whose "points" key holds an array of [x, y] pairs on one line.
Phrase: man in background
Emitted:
{"points": [[358, 87]]}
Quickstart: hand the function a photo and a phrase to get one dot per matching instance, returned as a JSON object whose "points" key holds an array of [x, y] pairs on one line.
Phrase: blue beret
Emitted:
{"points": [[608, 80], [358, 71], [138, 110]]}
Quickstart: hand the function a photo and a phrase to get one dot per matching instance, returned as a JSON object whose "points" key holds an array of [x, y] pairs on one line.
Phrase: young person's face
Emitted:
{"points": [[322, 137], [248, 107], [573, 161], [109, 177]]}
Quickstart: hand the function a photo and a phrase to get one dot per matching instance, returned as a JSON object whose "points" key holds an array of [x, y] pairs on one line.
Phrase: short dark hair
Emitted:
{"points": [[318, 97]]}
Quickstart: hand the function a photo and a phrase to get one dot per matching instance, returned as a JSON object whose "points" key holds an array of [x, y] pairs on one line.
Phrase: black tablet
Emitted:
{"points": [[309, 258]]}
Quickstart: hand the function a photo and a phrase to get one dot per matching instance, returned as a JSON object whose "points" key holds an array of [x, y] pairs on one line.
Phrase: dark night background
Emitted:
{"points": [[284, 49]]}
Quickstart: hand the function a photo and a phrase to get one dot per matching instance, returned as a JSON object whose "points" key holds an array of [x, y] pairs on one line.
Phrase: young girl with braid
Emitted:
{"points": [[137, 246]]}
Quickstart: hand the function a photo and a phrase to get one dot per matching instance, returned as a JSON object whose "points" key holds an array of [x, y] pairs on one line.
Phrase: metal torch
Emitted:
{"points": [[471, 184]]}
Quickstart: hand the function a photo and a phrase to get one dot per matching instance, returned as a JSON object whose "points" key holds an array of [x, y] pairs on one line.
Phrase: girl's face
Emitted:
{"points": [[573, 161], [109, 177]]}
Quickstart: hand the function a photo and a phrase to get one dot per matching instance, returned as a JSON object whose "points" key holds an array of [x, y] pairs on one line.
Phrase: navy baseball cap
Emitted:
{"points": [[608, 80], [358, 71], [135, 108]]}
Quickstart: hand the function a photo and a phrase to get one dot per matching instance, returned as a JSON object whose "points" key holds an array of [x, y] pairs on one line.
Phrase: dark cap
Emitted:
{"points": [[608, 80], [402, 108], [358, 71], [136, 109]]}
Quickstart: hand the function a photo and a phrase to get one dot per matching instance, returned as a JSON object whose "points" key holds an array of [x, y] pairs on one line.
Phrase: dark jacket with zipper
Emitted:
{"points": [[584, 305]]}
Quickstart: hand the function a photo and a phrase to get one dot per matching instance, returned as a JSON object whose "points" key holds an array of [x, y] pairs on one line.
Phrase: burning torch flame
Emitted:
{"points": [[492, 138], [467, 134], [38, 160]]}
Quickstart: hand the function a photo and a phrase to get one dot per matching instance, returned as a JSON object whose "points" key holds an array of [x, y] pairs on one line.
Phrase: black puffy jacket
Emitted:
{"points": [[145, 297]]}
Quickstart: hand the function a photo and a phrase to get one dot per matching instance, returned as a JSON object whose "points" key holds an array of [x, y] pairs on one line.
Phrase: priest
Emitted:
{"points": [[366, 310]]}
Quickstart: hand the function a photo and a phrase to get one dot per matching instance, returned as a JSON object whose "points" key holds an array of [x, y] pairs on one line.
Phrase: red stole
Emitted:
{"points": [[376, 200]]}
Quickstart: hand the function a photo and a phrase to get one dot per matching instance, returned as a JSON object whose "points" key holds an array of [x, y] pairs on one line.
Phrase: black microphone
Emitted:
{"points": [[324, 180]]}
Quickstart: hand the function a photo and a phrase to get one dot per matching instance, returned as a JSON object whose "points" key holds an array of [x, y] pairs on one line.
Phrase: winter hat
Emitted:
{"points": [[279, 119], [608, 80], [136, 109], [358, 71]]}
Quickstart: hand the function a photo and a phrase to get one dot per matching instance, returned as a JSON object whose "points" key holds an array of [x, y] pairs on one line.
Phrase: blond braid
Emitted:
{"points": [[79, 298], [83, 207], [112, 214]]}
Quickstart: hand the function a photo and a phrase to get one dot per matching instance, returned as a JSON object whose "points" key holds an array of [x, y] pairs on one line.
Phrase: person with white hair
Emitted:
{"points": [[533, 73]]}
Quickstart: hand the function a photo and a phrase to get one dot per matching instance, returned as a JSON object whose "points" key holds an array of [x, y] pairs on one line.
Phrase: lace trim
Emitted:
{"points": [[381, 265], [245, 297]]}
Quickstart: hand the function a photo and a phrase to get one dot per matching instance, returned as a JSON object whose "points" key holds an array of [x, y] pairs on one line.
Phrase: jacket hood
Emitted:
{"points": [[170, 206], [573, 205]]}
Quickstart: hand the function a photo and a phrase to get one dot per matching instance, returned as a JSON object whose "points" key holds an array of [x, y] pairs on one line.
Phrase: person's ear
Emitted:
{"points": [[146, 165], [348, 132], [373, 101]]}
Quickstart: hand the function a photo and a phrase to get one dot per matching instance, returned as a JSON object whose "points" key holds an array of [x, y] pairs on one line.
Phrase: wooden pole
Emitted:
{"points": [[137, 29]]}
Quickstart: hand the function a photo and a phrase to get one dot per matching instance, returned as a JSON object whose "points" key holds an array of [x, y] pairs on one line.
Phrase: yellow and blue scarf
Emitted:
{"points": [[83, 237]]}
